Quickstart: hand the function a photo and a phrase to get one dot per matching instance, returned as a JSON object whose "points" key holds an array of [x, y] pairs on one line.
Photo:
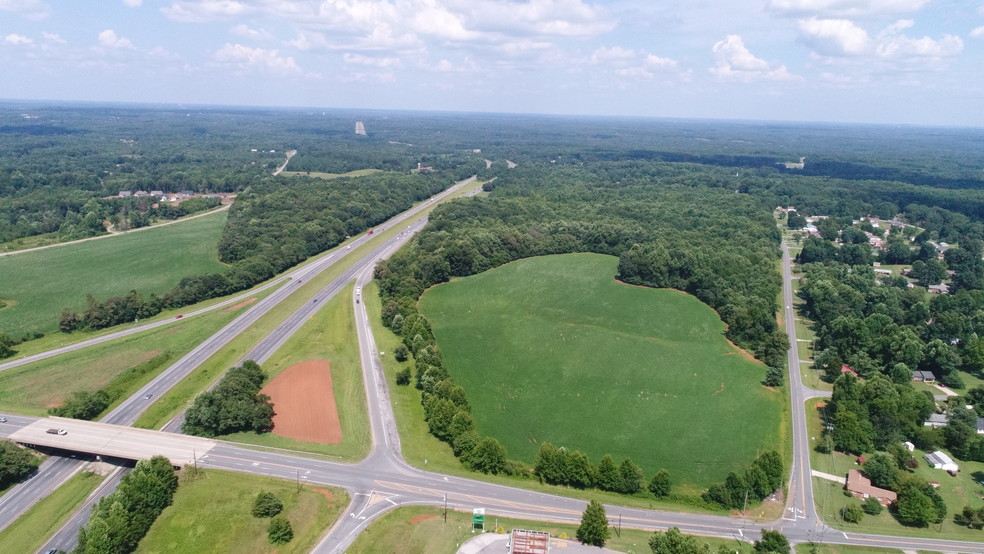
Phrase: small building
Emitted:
{"points": [[937, 421], [861, 487], [923, 377], [125, 194], [883, 271], [980, 426], [909, 446], [847, 369], [941, 288], [939, 460], [140, 193]]}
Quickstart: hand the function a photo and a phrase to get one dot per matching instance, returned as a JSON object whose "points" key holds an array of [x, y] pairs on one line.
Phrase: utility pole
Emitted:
{"points": [[298, 480], [445, 507]]}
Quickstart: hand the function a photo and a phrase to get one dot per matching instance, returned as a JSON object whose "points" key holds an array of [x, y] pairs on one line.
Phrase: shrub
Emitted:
{"points": [[403, 376], [280, 531], [852, 513], [871, 506], [267, 505]]}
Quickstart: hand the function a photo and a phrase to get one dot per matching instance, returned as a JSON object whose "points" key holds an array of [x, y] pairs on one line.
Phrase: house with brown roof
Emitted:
{"points": [[861, 487]]}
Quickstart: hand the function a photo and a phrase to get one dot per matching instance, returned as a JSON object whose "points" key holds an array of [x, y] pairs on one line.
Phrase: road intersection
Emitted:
{"points": [[383, 480]]}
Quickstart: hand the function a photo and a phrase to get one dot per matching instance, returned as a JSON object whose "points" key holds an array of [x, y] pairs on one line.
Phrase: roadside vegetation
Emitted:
{"points": [[33, 528], [228, 523]]}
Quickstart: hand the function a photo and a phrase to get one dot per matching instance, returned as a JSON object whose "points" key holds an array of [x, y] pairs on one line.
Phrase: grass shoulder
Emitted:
{"points": [[29, 532], [211, 513]]}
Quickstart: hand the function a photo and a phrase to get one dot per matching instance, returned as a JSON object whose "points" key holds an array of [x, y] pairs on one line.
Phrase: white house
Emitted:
{"points": [[940, 460]]}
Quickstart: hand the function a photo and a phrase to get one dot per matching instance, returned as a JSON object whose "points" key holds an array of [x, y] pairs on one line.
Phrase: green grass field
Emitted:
{"points": [[422, 530], [322, 175], [211, 513], [553, 349], [29, 532], [330, 335], [33, 388], [37, 286]]}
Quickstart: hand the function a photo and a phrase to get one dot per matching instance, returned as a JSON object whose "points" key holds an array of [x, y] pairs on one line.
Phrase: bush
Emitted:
{"points": [[852, 513], [401, 353], [403, 376], [871, 506], [280, 531], [267, 505]]}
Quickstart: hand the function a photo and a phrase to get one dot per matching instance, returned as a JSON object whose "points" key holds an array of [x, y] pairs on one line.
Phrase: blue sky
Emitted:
{"points": [[881, 61]]}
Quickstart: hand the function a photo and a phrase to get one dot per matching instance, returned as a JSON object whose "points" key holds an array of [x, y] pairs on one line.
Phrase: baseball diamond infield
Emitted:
{"points": [[304, 403]]}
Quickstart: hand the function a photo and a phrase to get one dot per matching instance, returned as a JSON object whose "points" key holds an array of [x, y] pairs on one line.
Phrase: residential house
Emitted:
{"points": [[941, 288], [923, 377], [937, 420], [861, 487]]}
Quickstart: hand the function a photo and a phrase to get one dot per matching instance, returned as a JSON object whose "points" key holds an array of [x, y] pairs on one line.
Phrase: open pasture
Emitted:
{"points": [[553, 349], [37, 286]]}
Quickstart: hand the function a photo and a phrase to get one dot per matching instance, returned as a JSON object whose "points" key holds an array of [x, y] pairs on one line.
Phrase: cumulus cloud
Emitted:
{"points": [[978, 32], [734, 62], [206, 10], [133, 3], [842, 38], [844, 8], [245, 31], [109, 39], [245, 57], [53, 37], [610, 55], [653, 60]]}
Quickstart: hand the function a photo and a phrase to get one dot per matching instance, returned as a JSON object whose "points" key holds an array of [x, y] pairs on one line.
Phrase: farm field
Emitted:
{"points": [[38, 285], [33, 388], [422, 530], [228, 526], [553, 349], [322, 175]]}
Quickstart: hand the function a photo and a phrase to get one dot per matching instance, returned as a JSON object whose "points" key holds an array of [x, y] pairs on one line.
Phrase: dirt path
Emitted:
{"points": [[117, 234], [290, 154]]}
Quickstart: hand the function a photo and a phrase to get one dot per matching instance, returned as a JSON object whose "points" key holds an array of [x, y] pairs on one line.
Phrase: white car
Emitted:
{"points": [[62, 432]]}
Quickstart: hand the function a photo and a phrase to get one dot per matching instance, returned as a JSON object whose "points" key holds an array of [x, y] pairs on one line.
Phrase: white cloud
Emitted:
{"points": [[978, 32], [245, 57], [109, 39], [208, 10], [17, 40], [31, 9], [609, 55], [844, 8], [133, 3], [53, 37], [842, 38], [834, 36], [734, 62], [245, 31], [373, 61], [653, 60]]}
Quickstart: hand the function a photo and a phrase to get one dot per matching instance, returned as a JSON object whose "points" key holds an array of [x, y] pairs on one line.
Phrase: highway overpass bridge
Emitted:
{"points": [[117, 441]]}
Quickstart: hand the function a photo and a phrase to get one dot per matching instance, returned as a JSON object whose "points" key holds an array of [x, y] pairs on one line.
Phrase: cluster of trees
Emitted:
{"points": [[960, 436], [269, 230], [16, 463], [83, 405], [6, 344], [560, 466], [889, 329], [918, 503], [672, 541], [763, 477], [266, 504], [122, 518], [234, 405], [875, 413]]}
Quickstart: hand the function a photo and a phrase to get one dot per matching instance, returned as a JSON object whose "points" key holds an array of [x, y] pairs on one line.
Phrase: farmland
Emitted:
{"points": [[553, 349], [38, 285]]}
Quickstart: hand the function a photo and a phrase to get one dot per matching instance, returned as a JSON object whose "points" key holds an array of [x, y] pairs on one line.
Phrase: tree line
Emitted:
{"points": [[16, 463], [122, 518]]}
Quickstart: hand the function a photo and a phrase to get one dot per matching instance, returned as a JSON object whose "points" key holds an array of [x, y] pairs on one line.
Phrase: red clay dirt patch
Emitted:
{"points": [[417, 519], [241, 304], [304, 403], [325, 493]]}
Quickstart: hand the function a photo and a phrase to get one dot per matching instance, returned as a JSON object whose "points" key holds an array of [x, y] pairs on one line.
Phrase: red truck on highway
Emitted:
{"points": [[370, 232]]}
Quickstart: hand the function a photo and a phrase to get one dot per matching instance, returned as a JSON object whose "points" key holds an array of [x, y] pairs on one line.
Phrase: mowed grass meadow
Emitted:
{"points": [[37, 286], [554, 349]]}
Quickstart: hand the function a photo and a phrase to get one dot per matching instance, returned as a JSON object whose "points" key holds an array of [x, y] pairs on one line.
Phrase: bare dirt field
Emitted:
{"points": [[305, 404]]}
